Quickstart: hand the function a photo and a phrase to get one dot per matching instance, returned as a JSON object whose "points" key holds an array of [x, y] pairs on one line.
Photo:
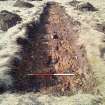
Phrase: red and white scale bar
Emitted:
{"points": [[42, 74]]}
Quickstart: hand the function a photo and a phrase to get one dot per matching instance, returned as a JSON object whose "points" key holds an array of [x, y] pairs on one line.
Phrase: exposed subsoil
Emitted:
{"points": [[51, 47]]}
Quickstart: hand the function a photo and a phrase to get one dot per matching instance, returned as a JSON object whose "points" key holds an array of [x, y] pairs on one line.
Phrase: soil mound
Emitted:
{"points": [[50, 48]]}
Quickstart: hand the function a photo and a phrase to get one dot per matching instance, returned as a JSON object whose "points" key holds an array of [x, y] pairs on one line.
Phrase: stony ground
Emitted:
{"points": [[92, 39]]}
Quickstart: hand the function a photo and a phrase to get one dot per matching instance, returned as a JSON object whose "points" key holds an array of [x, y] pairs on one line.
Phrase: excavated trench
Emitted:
{"points": [[51, 47]]}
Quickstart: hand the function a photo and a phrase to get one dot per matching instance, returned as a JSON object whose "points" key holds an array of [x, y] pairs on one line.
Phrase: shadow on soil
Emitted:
{"points": [[33, 58]]}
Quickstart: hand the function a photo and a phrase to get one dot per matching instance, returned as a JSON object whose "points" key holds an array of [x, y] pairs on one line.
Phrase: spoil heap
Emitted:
{"points": [[51, 47]]}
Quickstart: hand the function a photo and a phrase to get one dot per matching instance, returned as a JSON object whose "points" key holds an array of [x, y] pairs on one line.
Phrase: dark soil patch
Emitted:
{"points": [[74, 3], [3, 87], [8, 19], [23, 4], [102, 53], [50, 47], [86, 7], [101, 27]]}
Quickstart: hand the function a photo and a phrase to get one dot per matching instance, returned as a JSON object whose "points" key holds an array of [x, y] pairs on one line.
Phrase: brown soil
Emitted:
{"points": [[50, 47]]}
